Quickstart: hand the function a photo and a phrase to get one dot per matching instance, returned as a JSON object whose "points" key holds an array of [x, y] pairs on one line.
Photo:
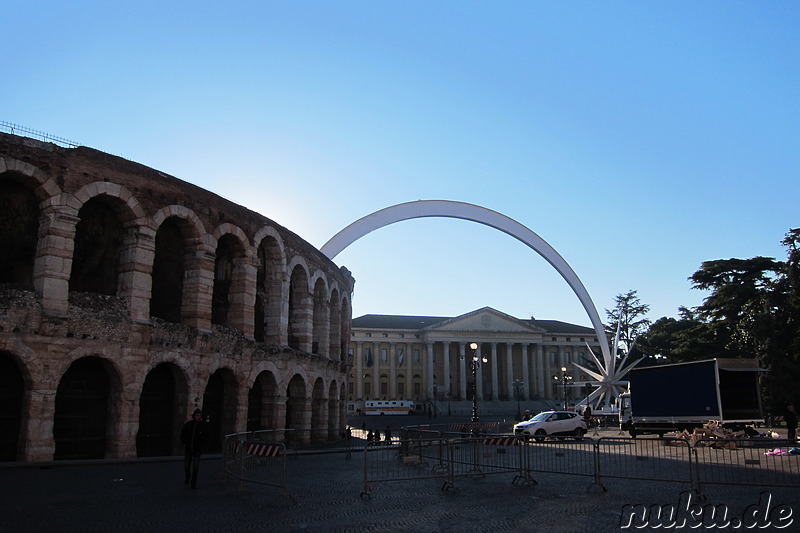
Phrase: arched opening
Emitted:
{"points": [[12, 391], [320, 342], [261, 403], [228, 250], [299, 309], [159, 412], [19, 227], [319, 427], [333, 411], [268, 291], [219, 408], [295, 410], [81, 414], [168, 271], [98, 240], [335, 347]]}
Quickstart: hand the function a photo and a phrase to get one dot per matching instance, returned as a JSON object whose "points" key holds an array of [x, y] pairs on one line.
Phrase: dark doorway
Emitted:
{"points": [[213, 399], [156, 416], [255, 401], [12, 389], [81, 413]]}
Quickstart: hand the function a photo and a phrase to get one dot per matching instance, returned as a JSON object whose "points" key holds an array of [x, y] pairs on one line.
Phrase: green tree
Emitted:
{"points": [[629, 316]]}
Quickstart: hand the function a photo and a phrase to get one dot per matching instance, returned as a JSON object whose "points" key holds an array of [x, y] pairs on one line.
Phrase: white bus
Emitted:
{"points": [[389, 407]]}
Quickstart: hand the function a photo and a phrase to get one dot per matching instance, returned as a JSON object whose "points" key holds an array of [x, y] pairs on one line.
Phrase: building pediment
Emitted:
{"points": [[485, 319]]}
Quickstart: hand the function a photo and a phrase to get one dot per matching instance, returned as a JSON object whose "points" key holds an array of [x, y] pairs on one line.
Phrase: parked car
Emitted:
{"points": [[552, 423]]}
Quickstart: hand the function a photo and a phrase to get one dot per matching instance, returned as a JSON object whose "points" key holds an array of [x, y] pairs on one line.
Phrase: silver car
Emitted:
{"points": [[552, 423]]}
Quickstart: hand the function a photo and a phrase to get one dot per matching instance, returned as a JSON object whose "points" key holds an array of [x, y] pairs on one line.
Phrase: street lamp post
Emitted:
{"points": [[518, 388], [564, 377], [473, 365]]}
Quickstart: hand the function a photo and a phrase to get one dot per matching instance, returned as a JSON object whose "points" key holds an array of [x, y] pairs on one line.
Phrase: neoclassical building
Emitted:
{"points": [[417, 357], [129, 297]]}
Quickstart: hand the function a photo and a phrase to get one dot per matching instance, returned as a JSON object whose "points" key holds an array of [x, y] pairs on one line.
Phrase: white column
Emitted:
{"points": [[543, 378], [479, 374], [376, 370], [446, 380], [509, 372], [526, 376], [428, 378], [464, 355], [494, 371], [392, 371], [359, 377]]}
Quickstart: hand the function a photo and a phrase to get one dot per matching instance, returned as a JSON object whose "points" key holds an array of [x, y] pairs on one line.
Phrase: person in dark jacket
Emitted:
{"points": [[192, 436], [790, 416]]}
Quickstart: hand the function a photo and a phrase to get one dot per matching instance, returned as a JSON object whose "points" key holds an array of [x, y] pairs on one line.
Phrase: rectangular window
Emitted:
{"points": [[553, 358], [384, 388], [416, 356], [383, 355], [417, 389], [568, 357], [401, 389], [367, 389], [350, 388]]}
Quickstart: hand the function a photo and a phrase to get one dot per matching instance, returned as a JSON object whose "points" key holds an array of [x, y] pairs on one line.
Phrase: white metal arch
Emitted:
{"points": [[473, 213]]}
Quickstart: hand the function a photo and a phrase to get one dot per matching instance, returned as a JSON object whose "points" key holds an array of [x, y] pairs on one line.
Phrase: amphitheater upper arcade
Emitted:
{"points": [[149, 291]]}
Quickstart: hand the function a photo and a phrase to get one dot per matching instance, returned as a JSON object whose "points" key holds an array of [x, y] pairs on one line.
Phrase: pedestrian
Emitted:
{"points": [[790, 417], [388, 436], [369, 436], [192, 437]]}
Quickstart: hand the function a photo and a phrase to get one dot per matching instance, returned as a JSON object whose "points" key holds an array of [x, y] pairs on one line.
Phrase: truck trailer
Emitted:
{"points": [[666, 398]]}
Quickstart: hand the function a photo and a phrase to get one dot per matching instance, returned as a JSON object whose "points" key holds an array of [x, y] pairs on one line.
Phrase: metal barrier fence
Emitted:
{"points": [[754, 462], [256, 460], [760, 462]]}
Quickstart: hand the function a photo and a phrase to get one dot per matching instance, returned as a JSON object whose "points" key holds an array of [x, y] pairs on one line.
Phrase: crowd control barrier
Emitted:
{"points": [[762, 462], [255, 460]]}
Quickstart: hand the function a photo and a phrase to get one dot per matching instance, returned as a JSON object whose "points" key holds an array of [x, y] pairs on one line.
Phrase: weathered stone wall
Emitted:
{"points": [[45, 326]]}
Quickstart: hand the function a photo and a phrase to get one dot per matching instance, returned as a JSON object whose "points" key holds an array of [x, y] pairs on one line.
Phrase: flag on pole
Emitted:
{"points": [[400, 358]]}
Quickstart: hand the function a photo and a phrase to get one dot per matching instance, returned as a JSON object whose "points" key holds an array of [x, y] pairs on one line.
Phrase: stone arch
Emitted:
{"points": [[482, 215], [270, 283], [19, 232], [333, 413], [232, 255], [319, 426], [262, 402], [162, 400], [300, 310], [296, 422], [86, 409], [335, 327], [194, 300], [42, 184], [320, 341], [220, 407]]}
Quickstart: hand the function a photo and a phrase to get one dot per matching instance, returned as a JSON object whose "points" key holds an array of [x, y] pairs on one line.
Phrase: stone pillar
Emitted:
{"points": [[509, 372], [479, 373], [359, 375], [53, 263], [526, 374], [446, 362], [464, 356], [198, 287], [38, 426], [135, 283], [495, 380], [392, 371], [376, 370], [429, 369], [541, 374]]}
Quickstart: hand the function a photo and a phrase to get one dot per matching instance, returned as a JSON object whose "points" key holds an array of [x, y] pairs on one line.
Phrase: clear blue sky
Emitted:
{"points": [[639, 139]]}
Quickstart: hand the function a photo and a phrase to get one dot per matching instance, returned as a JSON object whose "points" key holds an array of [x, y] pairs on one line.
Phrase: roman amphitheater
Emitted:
{"points": [[129, 297]]}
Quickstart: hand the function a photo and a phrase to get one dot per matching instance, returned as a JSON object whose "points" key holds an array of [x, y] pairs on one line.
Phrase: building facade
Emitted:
{"points": [[128, 298], [422, 357]]}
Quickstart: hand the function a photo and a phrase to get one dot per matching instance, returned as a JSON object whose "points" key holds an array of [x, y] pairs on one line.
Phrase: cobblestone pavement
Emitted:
{"points": [[140, 495]]}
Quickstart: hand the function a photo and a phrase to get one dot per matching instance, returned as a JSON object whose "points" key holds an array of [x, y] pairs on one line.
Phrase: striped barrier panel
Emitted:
{"points": [[264, 450]]}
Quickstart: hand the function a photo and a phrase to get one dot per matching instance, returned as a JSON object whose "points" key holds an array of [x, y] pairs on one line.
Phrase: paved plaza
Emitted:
{"points": [[326, 495]]}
